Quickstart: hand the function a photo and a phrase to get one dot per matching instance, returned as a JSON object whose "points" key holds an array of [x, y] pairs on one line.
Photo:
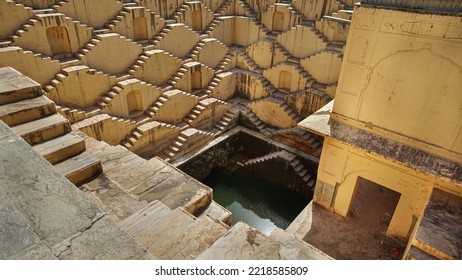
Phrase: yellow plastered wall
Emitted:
{"points": [[213, 112], [36, 67], [150, 25], [213, 5], [119, 106], [103, 127], [226, 87], [260, 5], [80, 86], [155, 137], [417, 78], [251, 86], [35, 38], [164, 8], [333, 30], [272, 113], [37, 4], [301, 41], [12, 16], [224, 31], [157, 67], [179, 41], [342, 164], [186, 84], [178, 105], [306, 103], [246, 31], [113, 53], [265, 54], [297, 81], [90, 12], [324, 67], [196, 16], [311, 9], [279, 18], [212, 53]]}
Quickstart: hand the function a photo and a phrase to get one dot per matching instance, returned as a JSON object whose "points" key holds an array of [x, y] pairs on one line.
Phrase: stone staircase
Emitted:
{"points": [[229, 119], [173, 234], [133, 181], [315, 143], [188, 140], [262, 159], [177, 76], [33, 117], [248, 11], [208, 30], [248, 62], [255, 122], [159, 36], [224, 65], [221, 11], [303, 174]]}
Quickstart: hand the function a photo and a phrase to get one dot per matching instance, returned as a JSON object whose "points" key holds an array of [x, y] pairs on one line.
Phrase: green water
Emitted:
{"points": [[256, 201]]}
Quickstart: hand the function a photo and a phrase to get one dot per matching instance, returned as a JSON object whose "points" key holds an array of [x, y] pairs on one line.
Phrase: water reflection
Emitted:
{"points": [[255, 201]]}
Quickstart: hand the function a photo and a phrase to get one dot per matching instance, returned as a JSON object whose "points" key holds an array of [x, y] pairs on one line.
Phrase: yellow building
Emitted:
{"points": [[396, 124]]}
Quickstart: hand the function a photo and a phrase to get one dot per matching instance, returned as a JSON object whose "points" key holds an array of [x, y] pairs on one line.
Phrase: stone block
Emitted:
{"points": [[237, 244]]}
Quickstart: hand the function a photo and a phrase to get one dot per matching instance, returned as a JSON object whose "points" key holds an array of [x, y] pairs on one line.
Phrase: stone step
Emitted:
{"points": [[43, 129], [80, 168], [238, 243], [26, 110], [60, 148], [189, 242], [15, 87], [144, 218], [175, 189], [111, 198], [284, 246], [116, 159], [160, 231], [218, 212]]}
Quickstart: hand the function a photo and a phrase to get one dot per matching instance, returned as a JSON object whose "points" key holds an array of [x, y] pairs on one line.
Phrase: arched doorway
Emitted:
{"points": [[134, 102], [197, 20], [196, 80], [58, 39], [140, 28], [278, 21], [285, 80]]}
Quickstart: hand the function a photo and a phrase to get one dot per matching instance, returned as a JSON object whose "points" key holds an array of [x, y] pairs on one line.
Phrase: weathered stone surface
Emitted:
{"points": [[302, 224], [40, 251], [410, 156], [318, 122], [14, 86], [26, 110], [218, 212], [104, 240], [80, 168], [111, 198], [162, 230], [40, 130], [53, 206], [283, 246], [16, 234], [237, 244], [144, 218], [417, 254], [60, 148], [440, 229], [188, 243]]}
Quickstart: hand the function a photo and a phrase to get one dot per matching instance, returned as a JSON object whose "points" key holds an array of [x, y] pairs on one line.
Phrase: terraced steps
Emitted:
{"points": [[284, 246], [239, 243]]}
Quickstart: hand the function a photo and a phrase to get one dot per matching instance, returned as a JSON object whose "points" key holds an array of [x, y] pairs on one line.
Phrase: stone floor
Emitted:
{"points": [[360, 236]]}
